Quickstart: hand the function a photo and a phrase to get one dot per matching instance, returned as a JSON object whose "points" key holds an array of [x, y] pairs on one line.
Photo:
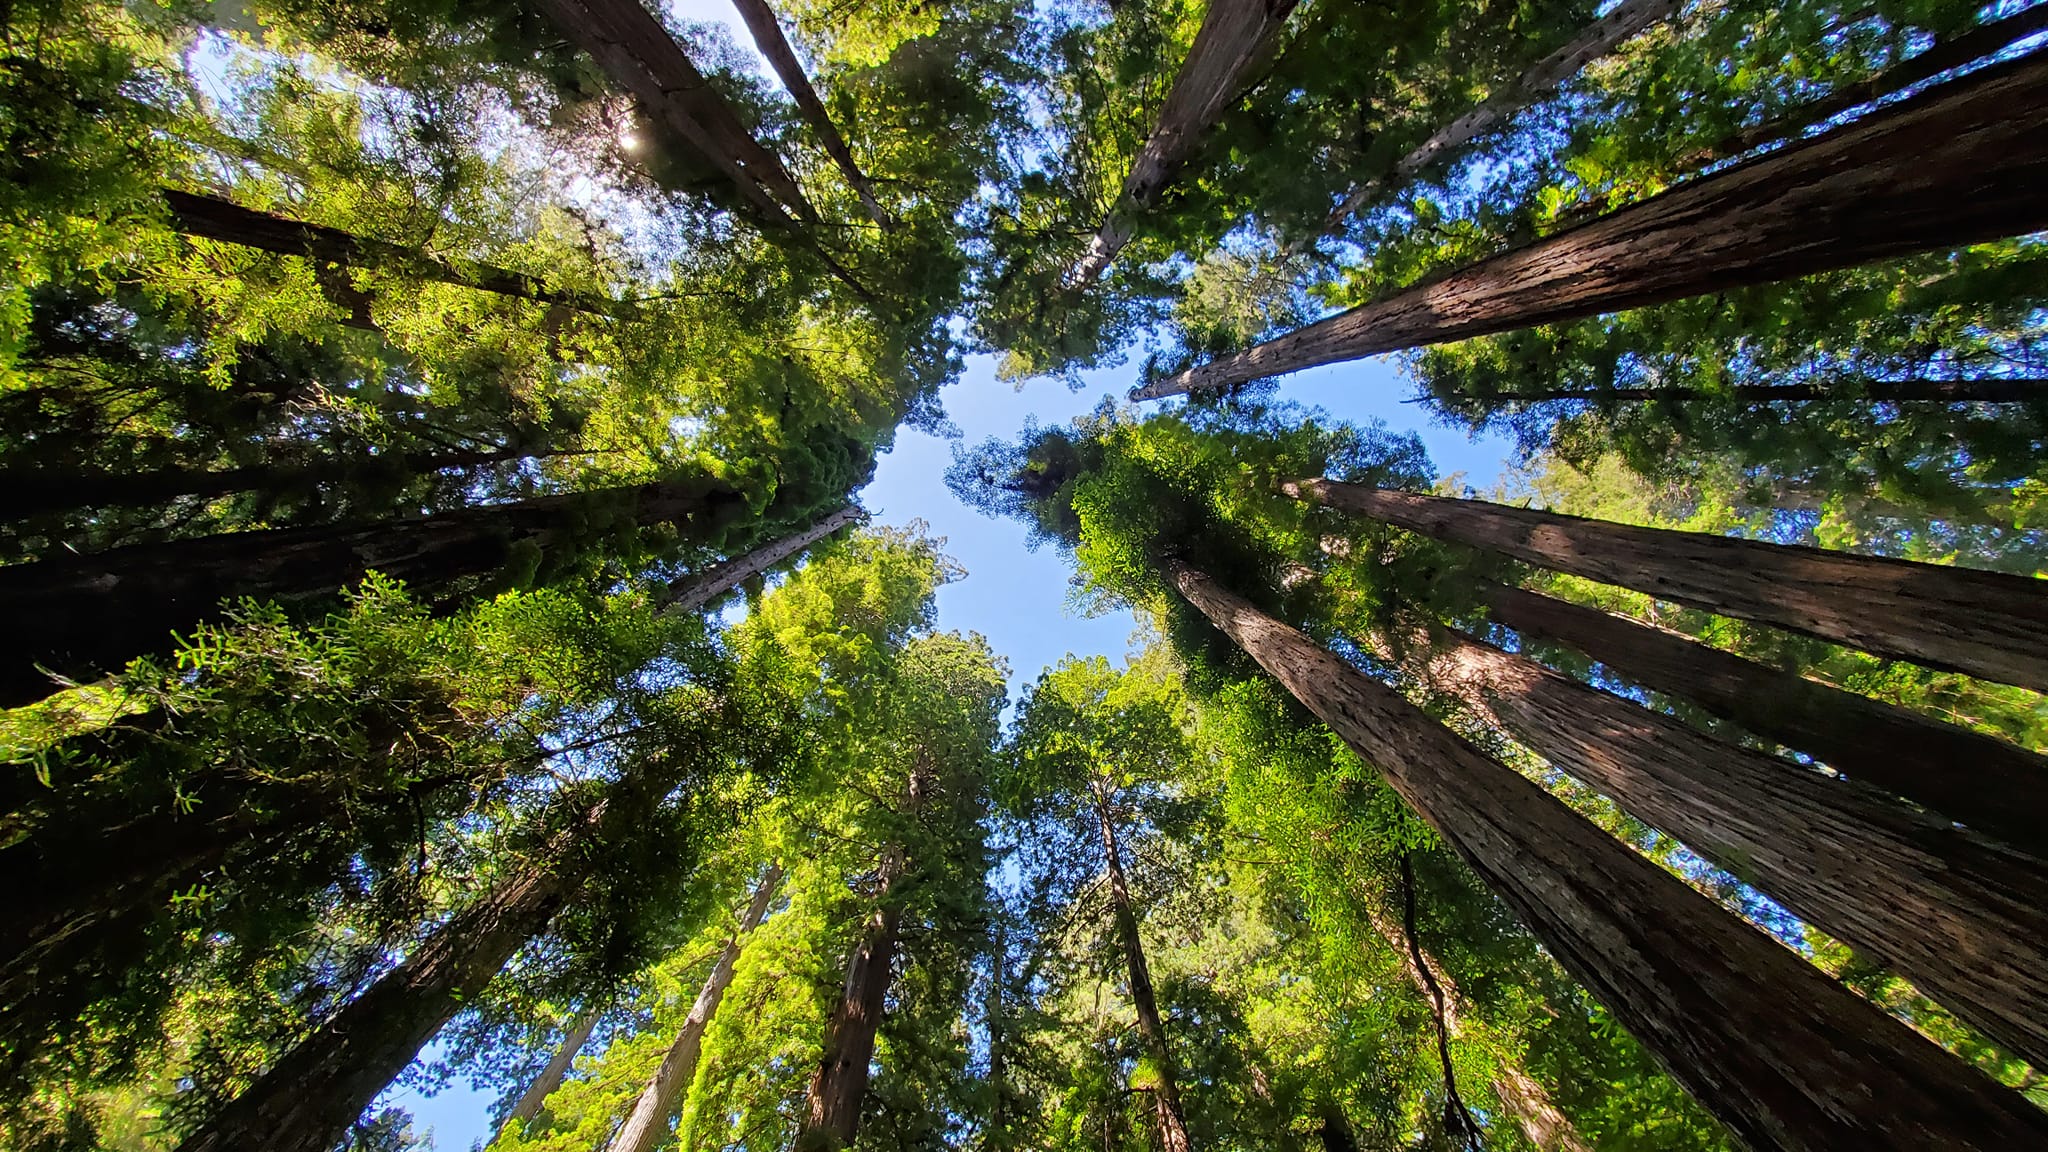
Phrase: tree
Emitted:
{"points": [[1879, 180], [699, 590], [531, 1101], [767, 33]]}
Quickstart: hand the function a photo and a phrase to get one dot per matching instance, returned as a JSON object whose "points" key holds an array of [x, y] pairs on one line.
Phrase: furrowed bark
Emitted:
{"points": [[632, 48], [1986, 624], [1784, 1056], [1991, 785], [1534, 86], [767, 33], [78, 615], [1959, 164], [306, 1101], [2004, 390], [1965, 919], [536, 1095], [1173, 1129], [214, 218], [1235, 40], [648, 1123], [693, 593]]}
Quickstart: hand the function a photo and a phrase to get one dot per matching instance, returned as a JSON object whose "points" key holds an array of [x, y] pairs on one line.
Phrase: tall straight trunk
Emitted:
{"points": [[1521, 1094], [1958, 164], [1987, 624], [1965, 919], [1992, 785], [767, 33], [78, 615], [694, 592], [551, 1076], [26, 492], [647, 1125], [839, 1088], [1235, 40], [632, 48], [1786, 1057], [1987, 390], [215, 218], [1173, 1129], [1537, 84], [306, 1101]]}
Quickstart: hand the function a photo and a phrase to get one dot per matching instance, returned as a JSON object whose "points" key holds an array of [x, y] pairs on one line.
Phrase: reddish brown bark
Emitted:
{"points": [[648, 1124], [1235, 40], [1986, 624], [1784, 1056], [767, 33], [692, 593], [1965, 919], [2007, 390], [78, 615], [1996, 787], [1958, 164], [1168, 1114]]}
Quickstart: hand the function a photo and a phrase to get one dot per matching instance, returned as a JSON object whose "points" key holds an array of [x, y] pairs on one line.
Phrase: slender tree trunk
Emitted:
{"points": [[78, 615], [1173, 1129], [310, 1096], [648, 1123], [1987, 624], [1521, 1094], [1958, 164], [1964, 919], [1994, 786], [1537, 84], [1235, 40], [1989, 390], [996, 1008], [530, 1101], [695, 592], [26, 492], [768, 37], [215, 218], [632, 48], [839, 1088], [1783, 1055]]}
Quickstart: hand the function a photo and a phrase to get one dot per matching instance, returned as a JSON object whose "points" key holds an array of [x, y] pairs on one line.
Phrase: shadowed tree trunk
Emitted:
{"points": [[1958, 164], [1990, 390], [1173, 1129], [1987, 624], [695, 592], [647, 1125], [767, 33], [214, 218], [1537, 84], [1992, 785], [1964, 919], [1783, 1055], [530, 1101], [78, 615], [1235, 41]]}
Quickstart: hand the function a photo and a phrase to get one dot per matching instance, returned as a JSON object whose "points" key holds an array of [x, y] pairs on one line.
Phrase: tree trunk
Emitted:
{"points": [[1996, 787], [1173, 1129], [215, 218], [1989, 390], [1783, 1055], [79, 615], [996, 1009], [1987, 624], [1535, 85], [1521, 1094], [306, 1101], [632, 48], [695, 592], [768, 37], [1333, 1128], [1235, 40], [26, 492], [530, 1101], [1959, 164], [648, 1124], [1964, 919]]}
